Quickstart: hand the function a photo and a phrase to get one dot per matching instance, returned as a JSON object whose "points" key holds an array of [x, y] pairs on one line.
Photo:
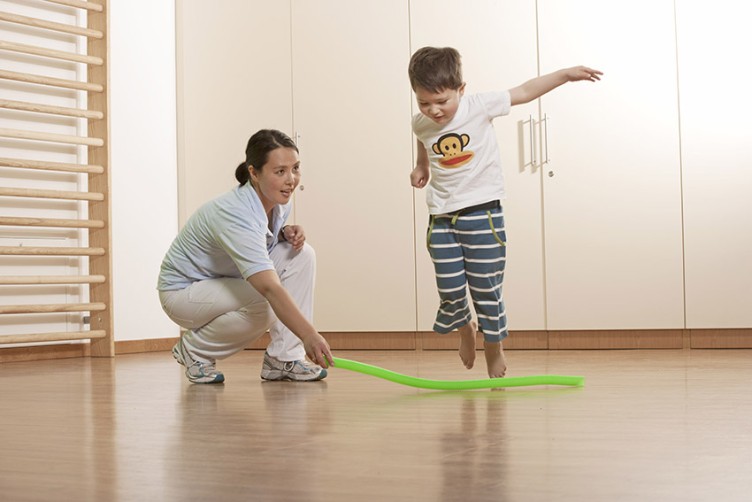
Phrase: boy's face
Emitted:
{"points": [[439, 106]]}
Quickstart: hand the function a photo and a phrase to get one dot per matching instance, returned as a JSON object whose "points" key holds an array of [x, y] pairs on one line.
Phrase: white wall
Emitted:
{"points": [[143, 161]]}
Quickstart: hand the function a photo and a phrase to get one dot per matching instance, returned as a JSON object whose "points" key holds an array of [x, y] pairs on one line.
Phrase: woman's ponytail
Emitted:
{"points": [[242, 174]]}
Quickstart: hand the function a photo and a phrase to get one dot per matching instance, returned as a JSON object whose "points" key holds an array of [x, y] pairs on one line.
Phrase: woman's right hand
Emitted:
{"points": [[317, 349]]}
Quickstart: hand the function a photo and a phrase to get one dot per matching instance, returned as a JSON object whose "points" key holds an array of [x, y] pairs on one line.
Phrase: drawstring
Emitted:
{"points": [[454, 220], [493, 230], [430, 230]]}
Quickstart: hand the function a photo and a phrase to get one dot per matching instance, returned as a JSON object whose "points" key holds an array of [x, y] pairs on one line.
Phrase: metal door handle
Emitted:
{"points": [[545, 120]]}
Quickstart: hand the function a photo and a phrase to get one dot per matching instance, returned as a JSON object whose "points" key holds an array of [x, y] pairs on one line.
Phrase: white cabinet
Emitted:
{"points": [[332, 73], [716, 127], [233, 78], [612, 184], [595, 233], [497, 41], [351, 105], [606, 204]]}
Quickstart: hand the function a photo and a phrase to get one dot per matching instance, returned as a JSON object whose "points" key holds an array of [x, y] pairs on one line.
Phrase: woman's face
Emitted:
{"points": [[276, 181]]}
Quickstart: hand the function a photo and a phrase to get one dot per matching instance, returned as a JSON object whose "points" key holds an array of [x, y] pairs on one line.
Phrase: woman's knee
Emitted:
{"points": [[307, 254]]}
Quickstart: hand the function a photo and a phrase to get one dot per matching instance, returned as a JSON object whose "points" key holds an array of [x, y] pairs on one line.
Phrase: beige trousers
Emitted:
{"points": [[224, 315]]}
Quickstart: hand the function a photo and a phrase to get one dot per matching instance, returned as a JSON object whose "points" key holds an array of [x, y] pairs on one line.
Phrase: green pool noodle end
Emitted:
{"points": [[486, 383]]}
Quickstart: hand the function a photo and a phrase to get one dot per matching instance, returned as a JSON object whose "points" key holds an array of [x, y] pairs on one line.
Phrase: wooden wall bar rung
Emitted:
{"points": [[50, 194], [53, 138], [25, 280], [49, 25], [49, 251], [50, 53], [54, 110], [52, 337], [51, 81], [49, 222], [79, 4], [51, 308], [51, 166]]}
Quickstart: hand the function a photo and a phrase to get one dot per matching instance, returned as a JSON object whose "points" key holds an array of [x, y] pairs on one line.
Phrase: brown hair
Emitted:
{"points": [[435, 69]]}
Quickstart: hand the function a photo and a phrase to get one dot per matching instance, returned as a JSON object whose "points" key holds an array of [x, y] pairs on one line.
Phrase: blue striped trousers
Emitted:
{"points": [[468, 251]]}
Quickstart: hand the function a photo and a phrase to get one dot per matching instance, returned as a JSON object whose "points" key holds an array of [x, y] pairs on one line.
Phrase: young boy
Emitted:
{"points": [[466, 236]]}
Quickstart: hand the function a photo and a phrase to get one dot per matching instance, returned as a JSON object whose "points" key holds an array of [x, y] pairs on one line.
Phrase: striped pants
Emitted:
{"points": [[468, 250]]}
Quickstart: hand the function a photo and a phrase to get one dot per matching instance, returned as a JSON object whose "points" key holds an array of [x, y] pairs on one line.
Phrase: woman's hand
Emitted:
{"points": [[295, 235], [317, 349]]}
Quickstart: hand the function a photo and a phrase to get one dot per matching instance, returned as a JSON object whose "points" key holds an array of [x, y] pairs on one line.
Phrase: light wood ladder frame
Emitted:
{"points": [[98, 251]]}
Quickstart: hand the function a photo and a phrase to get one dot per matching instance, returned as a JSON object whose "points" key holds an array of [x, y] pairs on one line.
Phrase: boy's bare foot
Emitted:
{"points": [[495, 360], [467, 343]]}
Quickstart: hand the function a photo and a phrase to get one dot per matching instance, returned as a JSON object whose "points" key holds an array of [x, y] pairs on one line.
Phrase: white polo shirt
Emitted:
{"points": [[226, 237]]}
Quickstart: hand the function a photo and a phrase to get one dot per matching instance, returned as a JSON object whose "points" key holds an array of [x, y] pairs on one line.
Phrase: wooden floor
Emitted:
{"points": [[649, 425]]}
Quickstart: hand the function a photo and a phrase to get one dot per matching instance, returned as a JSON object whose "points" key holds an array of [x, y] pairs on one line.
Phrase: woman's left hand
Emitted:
{"points": [[295, 235]]}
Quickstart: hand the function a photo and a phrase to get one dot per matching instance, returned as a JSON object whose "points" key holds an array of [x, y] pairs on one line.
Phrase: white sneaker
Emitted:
{"points": [[298, 371], [196, 371]]}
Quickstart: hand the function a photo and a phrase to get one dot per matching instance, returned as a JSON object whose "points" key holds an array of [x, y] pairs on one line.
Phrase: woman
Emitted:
{"points": [[236, 270]]}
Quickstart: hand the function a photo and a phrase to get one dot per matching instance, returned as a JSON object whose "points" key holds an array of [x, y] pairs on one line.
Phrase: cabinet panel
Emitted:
{"points": [[497, 41], [612, 205], [716, 106], [352, 113], [233, 78]]}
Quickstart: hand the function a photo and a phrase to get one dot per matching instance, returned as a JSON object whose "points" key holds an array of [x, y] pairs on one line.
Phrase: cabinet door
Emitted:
{"points": [[612, 185], [497, 42], [351, 103], [716, 127], [233, 78]]}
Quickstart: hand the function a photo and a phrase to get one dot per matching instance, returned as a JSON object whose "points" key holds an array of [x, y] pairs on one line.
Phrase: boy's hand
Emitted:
{"points": [[419, 177], [578, 73]]}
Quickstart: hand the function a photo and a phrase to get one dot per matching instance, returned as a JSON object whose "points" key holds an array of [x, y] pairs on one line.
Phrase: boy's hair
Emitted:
{"points": [[435, 69]]}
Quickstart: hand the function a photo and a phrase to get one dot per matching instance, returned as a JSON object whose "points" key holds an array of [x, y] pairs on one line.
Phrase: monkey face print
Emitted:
{"points": [[451, 147], [440, 106]]}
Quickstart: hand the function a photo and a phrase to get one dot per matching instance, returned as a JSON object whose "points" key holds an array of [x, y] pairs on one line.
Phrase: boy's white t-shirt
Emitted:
{"points": [[463, 154]]}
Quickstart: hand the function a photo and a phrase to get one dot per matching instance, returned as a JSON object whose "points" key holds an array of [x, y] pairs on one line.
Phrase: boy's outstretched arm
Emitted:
{"points": [[537, 87], [421, 174]]}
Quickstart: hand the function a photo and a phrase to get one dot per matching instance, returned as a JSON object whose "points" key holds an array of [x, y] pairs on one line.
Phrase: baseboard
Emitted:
{"points": [[44, 352], [150, 345], [424, 340], [389, 340], [616, 339], [517, 340], [720, 338]]}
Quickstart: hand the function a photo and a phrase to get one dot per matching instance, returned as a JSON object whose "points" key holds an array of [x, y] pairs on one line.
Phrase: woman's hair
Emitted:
{"points": [[435, 69], [258, 149]]}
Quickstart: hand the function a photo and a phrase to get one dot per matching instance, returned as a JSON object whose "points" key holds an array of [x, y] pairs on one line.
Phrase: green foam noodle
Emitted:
{"points": [[486, 383]]}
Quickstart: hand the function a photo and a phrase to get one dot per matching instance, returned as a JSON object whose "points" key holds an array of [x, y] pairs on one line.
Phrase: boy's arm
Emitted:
{"points": [[420, 175], [537, 87]]}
